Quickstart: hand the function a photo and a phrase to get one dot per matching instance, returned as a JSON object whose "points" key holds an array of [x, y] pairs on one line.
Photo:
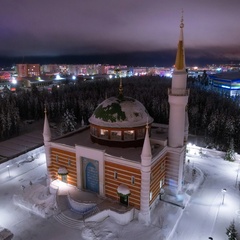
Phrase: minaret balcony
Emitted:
{"points": [[178, 92]]}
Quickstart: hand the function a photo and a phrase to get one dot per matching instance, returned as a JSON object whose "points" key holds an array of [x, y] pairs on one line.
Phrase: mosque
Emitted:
{"points": [[123, 154]]}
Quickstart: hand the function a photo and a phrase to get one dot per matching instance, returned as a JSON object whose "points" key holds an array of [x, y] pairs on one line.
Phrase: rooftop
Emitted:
{"points": [[82, 137], [227, 75]]}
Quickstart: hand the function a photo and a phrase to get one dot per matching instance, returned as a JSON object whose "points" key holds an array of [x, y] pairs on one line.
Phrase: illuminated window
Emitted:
{"points": [[129, 135], [132, 180], [104, 133], [150, 196], [115, 174], [116, 135]]}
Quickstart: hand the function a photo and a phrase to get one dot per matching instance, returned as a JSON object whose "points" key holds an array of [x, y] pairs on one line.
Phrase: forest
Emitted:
{"points": [[213, 114]]}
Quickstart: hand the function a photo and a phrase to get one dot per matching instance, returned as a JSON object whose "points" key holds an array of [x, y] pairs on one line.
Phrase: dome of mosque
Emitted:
{"points": [[119, 121], [120, 112]]}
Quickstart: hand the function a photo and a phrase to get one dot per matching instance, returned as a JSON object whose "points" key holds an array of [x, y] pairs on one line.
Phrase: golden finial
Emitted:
{"points": [[182, 24], [180, 58]]}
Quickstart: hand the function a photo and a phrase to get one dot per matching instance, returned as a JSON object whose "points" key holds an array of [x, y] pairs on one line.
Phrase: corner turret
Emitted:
{"points": [[146, 157], [46, 129]]}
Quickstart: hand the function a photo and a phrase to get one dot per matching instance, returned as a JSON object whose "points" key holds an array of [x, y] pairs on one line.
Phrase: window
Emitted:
{"points": [[162, 167], [69, 162], [56, 158], [151, 177], [116, 135], [129, 135], [104, 133], [132, 180], [115, 174], [94, 131], [141, 133], [150, 197], [161, 183]]}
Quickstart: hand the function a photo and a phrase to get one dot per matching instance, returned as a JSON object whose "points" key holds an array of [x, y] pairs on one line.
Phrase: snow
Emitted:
{"points": [[123, 189], [62, 171], [201, 211]]}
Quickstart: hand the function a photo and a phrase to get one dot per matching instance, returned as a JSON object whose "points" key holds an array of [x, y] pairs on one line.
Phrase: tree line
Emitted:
{"points": [[213, 114]]}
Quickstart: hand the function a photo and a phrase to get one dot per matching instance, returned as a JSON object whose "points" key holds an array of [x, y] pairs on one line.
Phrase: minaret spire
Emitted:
{"points": [[180, 58], [46, 128], [146, 151]]}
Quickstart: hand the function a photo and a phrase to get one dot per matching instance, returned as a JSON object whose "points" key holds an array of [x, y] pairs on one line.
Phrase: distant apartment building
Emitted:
{"points": [[28, 70], [102, 69], [139, 71], [50, 68]]}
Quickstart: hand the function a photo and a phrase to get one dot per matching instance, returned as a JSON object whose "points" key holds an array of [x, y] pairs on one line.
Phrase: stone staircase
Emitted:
{"points": [[92, 212], [69, 222]]}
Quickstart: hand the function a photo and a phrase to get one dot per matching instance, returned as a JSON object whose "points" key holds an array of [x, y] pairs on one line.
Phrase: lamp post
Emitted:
{"points": [[224, 190], [8, 171]]}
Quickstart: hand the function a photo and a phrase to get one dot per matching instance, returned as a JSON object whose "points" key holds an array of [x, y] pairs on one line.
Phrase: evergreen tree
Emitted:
{"points": [[69, 123], [231, 231], [230, 154]]}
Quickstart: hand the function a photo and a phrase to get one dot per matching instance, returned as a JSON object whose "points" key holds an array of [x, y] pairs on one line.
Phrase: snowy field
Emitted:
{"points": [[27, 207]]}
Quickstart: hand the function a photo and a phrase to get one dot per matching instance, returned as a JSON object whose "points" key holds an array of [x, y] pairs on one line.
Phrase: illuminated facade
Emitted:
{"points": [[28, 70], [229, 81]]}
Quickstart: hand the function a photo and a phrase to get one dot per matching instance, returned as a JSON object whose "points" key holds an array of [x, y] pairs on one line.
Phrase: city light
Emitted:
{"points": [[14, 81]]}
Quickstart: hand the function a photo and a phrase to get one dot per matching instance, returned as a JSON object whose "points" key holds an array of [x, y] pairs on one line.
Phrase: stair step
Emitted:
{"points": [[68, 222]]}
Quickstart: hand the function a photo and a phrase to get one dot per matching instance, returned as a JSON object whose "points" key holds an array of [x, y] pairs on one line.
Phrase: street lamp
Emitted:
{"points": [[8, 171], [224, 190]]}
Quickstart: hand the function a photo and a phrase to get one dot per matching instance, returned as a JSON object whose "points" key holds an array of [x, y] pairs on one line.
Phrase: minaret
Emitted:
{"points": [[146, 158], [178, 121], [46, 139], [178, 97]]}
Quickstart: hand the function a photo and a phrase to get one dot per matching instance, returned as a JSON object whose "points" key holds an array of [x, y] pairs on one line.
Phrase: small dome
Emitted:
{"points": [[124, 112]]}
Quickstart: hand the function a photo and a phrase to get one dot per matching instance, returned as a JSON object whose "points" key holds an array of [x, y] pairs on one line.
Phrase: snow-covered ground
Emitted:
{"points": [[208, 211]]}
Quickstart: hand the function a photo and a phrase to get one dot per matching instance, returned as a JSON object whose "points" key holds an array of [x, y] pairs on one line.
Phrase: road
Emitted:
{"points": [[210, 211]]}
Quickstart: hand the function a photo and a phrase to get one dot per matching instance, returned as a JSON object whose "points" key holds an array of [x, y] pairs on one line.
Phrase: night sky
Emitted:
{"points": [[132, 32]]}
